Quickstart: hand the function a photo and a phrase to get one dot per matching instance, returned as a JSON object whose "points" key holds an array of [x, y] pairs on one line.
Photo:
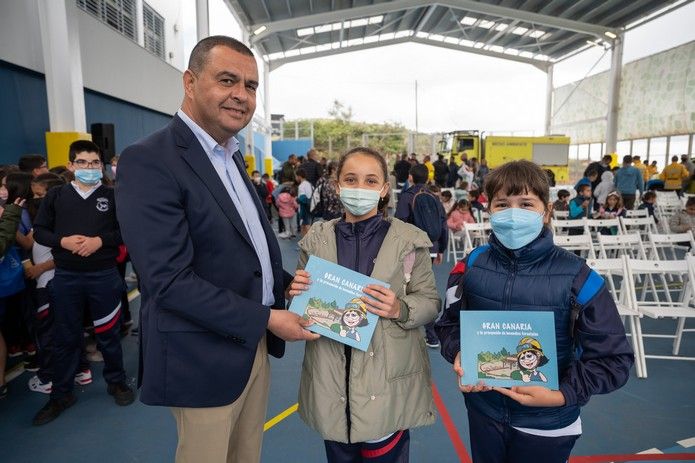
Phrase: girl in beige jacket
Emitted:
{"points": [[363, 403]]}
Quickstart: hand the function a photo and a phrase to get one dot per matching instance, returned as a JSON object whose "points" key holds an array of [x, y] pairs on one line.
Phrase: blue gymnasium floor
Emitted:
{"points": [[655, 414]]}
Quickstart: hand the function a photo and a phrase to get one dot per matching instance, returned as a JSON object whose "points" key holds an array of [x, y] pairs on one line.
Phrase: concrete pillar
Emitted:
{"points": [[62, 65], [614, 94], [268, 159], [202, 19], [549, 100]]}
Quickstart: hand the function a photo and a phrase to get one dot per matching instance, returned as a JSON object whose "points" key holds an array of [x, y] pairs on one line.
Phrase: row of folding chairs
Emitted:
{"points": [[645, 226], [655, 289], [629, 213], [656, 247]]}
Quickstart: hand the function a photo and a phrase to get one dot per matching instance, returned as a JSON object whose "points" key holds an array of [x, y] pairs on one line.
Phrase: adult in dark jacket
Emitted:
{"points": [[402, 169], [312, 168], [288, 168], [441, 171], [210, 267], [404, 212], [453, 173]]}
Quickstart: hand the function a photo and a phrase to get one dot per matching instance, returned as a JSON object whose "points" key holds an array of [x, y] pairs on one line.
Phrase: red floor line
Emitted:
{"points": [[450, 427], [636, 457]]}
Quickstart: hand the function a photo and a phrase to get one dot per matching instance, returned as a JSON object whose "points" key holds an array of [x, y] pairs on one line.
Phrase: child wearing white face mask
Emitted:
{"points": [[361, 412], [521, 269]]}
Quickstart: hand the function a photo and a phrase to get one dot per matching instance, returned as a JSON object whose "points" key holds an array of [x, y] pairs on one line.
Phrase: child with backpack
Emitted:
{"points": [[418, 206], [522, 269]]}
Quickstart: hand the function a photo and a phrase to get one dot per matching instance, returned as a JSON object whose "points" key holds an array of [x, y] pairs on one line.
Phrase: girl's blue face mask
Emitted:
{"points": [[515, 227], [359, 201]]}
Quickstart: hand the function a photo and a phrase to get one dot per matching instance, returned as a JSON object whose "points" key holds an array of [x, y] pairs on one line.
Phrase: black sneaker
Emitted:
{"points": [[53, 409], [31, 364], [122, 394], [3, 391]]}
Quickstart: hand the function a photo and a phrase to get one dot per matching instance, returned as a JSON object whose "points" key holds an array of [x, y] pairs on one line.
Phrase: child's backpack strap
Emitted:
{"points": [[589, 288]]}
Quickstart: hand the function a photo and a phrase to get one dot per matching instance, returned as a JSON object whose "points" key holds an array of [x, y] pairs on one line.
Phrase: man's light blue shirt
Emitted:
{"points": [[222, 160]]}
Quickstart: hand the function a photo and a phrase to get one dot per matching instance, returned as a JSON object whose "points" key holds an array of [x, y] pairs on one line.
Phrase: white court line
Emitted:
{"points": [[687, 443], [650, 451]]}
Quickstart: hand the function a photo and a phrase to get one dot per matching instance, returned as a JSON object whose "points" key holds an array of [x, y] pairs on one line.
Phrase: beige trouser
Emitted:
{"points": [[232, 433]]}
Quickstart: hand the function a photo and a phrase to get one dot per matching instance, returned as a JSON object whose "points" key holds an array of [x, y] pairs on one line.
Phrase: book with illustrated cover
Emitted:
{"points": [[333, 303], [508, 348]]}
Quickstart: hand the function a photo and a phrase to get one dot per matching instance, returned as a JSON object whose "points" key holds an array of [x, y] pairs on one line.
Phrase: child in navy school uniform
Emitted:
{"points": [[521, 269], [78, 222]]}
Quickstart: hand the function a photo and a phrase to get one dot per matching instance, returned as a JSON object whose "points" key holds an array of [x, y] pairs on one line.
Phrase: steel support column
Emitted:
{"points": [[614, 94], [202, 19], [549, 100], [62, 65]]}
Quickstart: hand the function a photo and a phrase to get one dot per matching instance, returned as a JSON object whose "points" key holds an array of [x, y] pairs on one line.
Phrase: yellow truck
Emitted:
{"points": [[551, 152]]}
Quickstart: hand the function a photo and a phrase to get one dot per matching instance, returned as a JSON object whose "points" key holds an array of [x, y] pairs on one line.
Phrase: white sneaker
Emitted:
{"points": [[36, 385], [83, 377], [284, 235]]}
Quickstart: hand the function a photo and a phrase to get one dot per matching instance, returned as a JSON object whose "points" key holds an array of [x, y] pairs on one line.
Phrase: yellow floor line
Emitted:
{"points": [[134, 294], [276, 419]]}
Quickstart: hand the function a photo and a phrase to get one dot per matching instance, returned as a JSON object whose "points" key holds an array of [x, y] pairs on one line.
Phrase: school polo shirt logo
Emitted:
{"points": [[102, 204]]}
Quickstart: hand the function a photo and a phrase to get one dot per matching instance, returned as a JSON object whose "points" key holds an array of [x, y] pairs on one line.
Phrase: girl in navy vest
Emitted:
{"points": [[521, 269]]}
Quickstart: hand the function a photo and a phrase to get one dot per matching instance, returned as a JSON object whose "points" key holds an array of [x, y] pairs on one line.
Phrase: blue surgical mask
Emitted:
{"points": [[359, 201], [88, 176], [515, 227]]}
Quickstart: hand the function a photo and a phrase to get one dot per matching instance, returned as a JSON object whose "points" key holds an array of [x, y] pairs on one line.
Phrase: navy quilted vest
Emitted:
{"points": [[538, 277]]}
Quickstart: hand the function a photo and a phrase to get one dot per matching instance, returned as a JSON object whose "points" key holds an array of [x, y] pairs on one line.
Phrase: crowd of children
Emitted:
{"points": [[59, 276]]}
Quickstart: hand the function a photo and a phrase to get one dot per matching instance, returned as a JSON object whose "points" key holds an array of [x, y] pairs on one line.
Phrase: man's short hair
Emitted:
{"points": [[563, 194], [29, 162], [301, 173], [673, 159], [81, 146], [635, 158], [199, 55], [518, 178], [608, 158], [419, 173], [627, 159]]}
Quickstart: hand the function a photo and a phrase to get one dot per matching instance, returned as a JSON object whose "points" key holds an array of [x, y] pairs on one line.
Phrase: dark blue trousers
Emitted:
{"points": [[495, 442], [71, 293], [395, 449]]}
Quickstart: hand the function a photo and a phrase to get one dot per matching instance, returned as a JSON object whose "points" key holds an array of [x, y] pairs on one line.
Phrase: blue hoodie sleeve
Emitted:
{"points": [[605, 356], [448, 326]]}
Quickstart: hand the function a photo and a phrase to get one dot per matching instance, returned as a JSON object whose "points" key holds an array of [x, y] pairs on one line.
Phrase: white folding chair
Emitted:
{"points": [[645, 226], [561, 227], [669, 246], [614, 246], [612, 271], [631, 214], [561, 215], [596, 225], [581, 243], [476, 233], [482, 216], [456, 249], [667, 204], [673, 302]]}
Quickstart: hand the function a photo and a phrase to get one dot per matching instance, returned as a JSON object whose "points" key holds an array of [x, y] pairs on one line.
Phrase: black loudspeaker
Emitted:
{"points": [[103, 136]]}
